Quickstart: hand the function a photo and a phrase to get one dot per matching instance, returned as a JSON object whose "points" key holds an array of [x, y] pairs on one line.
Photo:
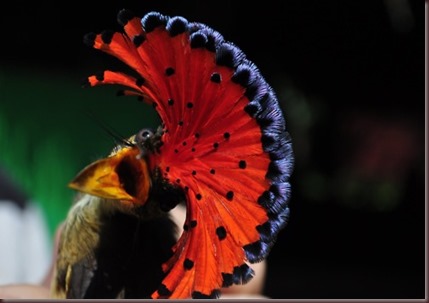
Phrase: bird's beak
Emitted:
{"points": [[121, 176]]}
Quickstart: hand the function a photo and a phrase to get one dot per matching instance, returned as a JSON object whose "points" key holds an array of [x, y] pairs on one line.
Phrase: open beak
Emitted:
{"points": [[121, 176]]}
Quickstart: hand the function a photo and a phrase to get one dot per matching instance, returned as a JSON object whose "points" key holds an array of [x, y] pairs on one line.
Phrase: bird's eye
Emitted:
{"points": [[143, 135]]}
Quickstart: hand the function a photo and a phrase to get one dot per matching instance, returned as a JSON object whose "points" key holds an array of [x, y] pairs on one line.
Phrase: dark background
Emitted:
{"points": [[350, 76]]}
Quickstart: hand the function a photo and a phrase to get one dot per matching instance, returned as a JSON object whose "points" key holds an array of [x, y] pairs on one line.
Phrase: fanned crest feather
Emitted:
{"points": [[224, 142]]}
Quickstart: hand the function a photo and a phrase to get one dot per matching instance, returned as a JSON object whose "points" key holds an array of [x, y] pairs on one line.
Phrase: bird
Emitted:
{"points": [[222, 149]]}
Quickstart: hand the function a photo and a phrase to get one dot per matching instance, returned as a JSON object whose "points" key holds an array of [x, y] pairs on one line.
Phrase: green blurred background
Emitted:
{"points": [[50, 129], [350, 78]]}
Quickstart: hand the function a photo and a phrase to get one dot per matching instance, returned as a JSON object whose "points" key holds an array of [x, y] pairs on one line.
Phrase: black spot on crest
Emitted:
{"points": [[188, 264], [138, 40], [169, 71], [230, 195], [198, 196], [226, 135], [242, 164], [170, 102], [190, 105], [212, 171], [221, 232], [215, 77]]}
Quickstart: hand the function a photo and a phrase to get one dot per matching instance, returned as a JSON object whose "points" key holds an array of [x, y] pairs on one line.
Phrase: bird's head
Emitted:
{"points": [[123, 175]]}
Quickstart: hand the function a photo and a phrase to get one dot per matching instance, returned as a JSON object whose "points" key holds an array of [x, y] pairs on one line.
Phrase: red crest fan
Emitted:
{"points": [[222, 149]]}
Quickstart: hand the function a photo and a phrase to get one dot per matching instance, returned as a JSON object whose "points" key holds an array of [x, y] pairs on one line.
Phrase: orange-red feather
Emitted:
{"points": [[212, 146]]}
